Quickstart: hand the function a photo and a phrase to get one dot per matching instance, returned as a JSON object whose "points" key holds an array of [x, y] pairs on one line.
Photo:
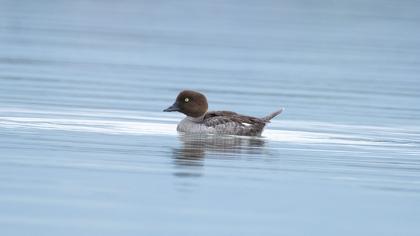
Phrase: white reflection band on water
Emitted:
{"points": [[121, 122]]}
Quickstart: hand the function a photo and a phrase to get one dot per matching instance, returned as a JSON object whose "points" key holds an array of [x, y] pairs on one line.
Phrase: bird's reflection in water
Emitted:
{"points": [[189, 158]]}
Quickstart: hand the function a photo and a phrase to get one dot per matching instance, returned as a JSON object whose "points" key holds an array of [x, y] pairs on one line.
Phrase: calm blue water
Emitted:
{"points": [[86, 150]]}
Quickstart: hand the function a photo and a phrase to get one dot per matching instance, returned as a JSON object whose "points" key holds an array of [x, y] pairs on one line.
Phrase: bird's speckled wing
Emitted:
{"points": [[227, 122]]}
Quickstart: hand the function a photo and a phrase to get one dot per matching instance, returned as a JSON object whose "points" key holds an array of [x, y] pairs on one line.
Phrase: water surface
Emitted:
{"points": [[86, 150]]}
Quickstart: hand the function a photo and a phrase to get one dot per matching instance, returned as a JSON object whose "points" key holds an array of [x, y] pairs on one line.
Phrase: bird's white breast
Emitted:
{"points": [[191, 125]]}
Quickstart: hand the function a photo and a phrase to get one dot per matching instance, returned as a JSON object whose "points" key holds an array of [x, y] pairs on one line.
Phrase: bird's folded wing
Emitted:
{"points": [[232, 119]]}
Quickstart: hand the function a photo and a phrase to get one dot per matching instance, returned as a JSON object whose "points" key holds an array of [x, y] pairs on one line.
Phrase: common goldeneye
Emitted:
{"points": [[199, 120]]}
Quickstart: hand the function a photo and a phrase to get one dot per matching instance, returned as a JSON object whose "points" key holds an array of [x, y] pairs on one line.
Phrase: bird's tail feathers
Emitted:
{"points": [[272, 115]]}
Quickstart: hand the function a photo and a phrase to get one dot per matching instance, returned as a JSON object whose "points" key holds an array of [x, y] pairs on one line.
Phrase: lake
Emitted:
{"points": [[86, 149]]}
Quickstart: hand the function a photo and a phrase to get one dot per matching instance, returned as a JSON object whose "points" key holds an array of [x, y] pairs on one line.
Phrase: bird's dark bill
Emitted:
{"points": [[174, 107]]}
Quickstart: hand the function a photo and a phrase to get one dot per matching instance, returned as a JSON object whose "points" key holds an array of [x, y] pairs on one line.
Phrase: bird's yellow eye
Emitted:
{"points": [[186, 99]]}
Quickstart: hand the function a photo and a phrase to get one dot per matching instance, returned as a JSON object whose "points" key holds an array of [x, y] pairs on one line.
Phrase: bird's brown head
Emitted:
{"points": [[191, 103]]}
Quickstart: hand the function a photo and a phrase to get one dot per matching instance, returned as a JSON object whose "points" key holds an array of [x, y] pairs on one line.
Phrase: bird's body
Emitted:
{"points": [[223, 122]]}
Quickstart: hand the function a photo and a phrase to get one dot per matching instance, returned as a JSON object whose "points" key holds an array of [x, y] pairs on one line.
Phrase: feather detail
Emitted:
{"points": [[227, 122]]}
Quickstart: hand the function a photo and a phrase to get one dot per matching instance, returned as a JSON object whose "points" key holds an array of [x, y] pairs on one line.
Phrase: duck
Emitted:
{"points": [[199, 120]]}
